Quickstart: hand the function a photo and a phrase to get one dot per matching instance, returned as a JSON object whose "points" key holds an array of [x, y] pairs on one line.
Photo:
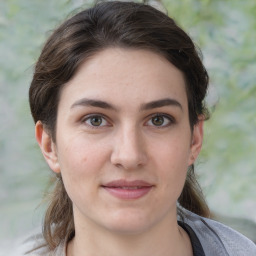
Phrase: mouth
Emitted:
{"points": [[128, 190]]}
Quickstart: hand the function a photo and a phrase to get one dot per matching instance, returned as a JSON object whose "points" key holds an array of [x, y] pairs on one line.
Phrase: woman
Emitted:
{"points": [[118, 101]]}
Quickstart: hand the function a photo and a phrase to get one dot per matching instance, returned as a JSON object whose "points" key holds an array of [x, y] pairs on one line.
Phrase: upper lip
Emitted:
{"points": [[126, 183]]}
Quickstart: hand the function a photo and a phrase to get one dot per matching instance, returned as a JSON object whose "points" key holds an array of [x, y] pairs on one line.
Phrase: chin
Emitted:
{"points": [[129, 222], [128, 229]]}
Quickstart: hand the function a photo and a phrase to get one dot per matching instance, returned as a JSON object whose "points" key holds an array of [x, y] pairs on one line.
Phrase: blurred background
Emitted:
{"points": [[225, 30]]}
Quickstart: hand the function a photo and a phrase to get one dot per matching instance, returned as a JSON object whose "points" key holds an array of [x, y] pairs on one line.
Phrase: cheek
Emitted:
{"points": [[78, 154], [173, 152], [172, 162], [81, 163]]}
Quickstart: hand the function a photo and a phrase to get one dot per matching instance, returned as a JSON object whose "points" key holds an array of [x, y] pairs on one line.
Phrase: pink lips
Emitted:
{"points": [[124, 189]]}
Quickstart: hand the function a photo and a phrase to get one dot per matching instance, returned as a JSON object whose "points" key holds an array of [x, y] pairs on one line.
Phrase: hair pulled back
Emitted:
{"points": [[111, 24]]}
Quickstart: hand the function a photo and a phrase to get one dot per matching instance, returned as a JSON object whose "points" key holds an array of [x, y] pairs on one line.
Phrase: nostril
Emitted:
{"points": [[128, 162], [128, 151]]}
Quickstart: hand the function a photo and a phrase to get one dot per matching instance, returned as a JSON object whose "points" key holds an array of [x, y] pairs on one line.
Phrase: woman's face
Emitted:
{"points": [[123, 140]]}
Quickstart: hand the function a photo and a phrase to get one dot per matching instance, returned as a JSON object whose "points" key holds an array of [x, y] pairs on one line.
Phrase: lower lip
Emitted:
{"points": [[128, 193]]}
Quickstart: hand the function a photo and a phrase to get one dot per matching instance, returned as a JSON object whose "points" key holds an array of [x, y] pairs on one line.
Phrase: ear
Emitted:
{"points": [[196, 141], [47, 147]]}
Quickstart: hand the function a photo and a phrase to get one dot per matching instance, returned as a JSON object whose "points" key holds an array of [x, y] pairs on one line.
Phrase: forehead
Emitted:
{"points": [[125, 75]]}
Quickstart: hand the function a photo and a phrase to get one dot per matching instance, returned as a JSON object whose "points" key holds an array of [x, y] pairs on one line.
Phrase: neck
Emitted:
{"points": [[164, 240]]}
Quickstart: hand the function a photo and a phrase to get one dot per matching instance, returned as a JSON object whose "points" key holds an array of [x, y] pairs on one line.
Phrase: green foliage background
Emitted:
{"points": [[226, 34]]}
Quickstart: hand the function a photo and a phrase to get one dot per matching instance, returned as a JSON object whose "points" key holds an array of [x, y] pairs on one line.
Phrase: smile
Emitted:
{"points": [[130, 187], [128, 190]]}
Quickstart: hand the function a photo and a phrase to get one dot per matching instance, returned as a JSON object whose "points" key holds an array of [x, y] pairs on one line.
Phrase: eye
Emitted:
{"points": [[95, 121], [160, 120]]}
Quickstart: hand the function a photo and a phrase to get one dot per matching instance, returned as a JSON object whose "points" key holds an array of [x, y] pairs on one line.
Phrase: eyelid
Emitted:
{"points": [[87, 117], [171, 119]]}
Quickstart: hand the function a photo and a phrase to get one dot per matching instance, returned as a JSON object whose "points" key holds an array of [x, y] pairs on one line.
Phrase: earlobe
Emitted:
{"points": [[197, 141], [47, 146]]}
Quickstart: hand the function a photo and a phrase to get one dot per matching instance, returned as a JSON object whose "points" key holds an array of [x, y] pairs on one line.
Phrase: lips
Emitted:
{"points": [[124, 189]]}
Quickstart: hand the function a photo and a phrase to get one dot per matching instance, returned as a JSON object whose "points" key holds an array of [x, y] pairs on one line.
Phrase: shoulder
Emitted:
{"points": [[218, 239], [32, 244], [35, 245]]}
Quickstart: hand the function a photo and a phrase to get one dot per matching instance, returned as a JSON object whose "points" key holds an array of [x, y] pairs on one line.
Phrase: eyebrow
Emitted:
{"points": [[147, 106], [92, 103], [161, 103]]}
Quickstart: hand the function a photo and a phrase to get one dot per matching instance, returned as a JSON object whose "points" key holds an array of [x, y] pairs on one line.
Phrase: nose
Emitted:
{"points": [[129, 151]]}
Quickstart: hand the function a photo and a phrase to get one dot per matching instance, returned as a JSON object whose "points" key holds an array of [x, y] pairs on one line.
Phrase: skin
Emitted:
{"points": [[125, 140]]}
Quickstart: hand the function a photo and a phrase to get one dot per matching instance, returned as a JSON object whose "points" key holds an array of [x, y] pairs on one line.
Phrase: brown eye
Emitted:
{"points": [[158, 120], [95, 120]]}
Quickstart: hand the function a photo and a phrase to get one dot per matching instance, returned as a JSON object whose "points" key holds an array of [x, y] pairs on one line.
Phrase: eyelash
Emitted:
{"points": [[170, 120], [90, 117], [165, 117]]}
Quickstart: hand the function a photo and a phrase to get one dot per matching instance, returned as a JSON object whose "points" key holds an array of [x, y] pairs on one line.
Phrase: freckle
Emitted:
{"points": [[84, 158]]}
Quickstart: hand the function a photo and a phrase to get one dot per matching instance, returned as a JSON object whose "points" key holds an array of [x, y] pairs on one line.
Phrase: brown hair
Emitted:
{"points": [[110, 24]]}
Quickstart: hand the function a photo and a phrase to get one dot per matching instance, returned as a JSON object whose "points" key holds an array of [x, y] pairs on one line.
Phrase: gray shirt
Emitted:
{"points": [[216, 240]]}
